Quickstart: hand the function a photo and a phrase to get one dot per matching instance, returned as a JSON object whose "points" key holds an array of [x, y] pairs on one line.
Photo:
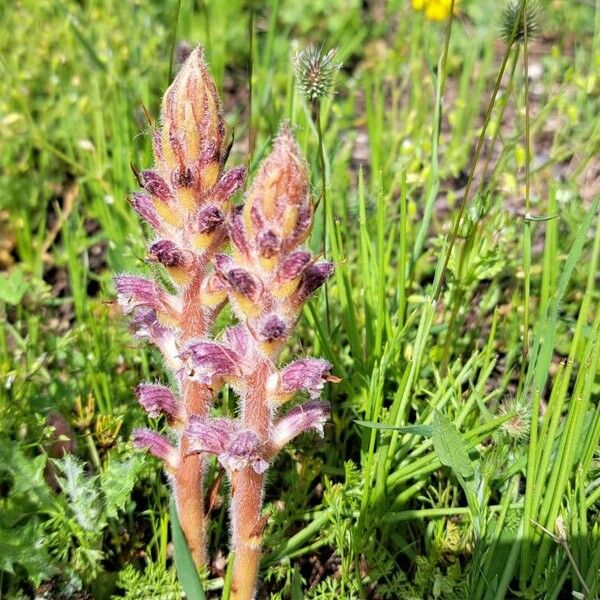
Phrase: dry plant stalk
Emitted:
{"points": [[267, 279]]}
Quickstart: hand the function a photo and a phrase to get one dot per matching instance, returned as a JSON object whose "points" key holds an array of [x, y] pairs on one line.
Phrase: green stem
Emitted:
{"points": [[317, 113], [251, 131], [527, 231], [486, 122], [434, 182], [502, 102]]}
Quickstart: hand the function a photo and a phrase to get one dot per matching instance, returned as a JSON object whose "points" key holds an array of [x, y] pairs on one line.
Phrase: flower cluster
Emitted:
{"points": [[267, 278], [435, 10]]}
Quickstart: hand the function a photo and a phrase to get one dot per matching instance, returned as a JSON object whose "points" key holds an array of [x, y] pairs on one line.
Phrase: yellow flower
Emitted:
{"points": [[435, 10]]}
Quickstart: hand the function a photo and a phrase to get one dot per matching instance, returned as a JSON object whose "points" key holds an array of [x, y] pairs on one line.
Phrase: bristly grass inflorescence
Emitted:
{"points": [[316, 71], [513, 20]]}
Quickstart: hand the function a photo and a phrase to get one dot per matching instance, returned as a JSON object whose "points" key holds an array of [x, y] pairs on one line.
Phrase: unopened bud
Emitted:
{"points": [[193, 128], [278, 210]]}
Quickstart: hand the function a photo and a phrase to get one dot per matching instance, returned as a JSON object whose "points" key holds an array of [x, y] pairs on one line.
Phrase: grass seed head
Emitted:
{"points": [[316, 72], [513, 17]]}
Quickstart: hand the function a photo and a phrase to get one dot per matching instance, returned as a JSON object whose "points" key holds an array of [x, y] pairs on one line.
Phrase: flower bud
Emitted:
{"points": [[208, 219], [278, 209], [231, 181], [167, 253], [273, 329], [237, 233], [155, 185], [243, 283], [193, 129], [162, 197], [144, 207], [312, 279], [178, 262], [293, 265], [206, 228]]}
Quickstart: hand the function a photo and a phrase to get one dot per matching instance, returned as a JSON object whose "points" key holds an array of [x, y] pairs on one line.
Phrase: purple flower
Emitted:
{"points": [[158, 400], [156, 185], [223, 263], [208, 219], [147, 326], [243, 283], [312, 279], [234, 448], [273, 328], [237, 338], [144, 207], [310, 415], [237, 234], [137, 291], [167, 253], [133, 292], [229, 184], [268, 244], [210, 435], [308, 374], [157, 445], [244, 450], [208, 362], [293, 265]]}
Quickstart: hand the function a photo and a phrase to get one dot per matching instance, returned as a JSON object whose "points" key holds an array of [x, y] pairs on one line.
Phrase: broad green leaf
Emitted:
{"points": [[184, 563], [450, 447]]}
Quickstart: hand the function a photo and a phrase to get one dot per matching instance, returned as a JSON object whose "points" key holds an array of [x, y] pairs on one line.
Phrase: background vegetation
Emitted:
{"points": [[462, 456]]}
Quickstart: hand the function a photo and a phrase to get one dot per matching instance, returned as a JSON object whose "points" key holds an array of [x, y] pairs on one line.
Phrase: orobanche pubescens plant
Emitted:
{"points": [[267, 278]]}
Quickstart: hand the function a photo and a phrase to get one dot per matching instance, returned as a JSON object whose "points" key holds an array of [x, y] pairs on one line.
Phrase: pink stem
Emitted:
{"points": [[247, 493], [198, 398], [187, 479]]}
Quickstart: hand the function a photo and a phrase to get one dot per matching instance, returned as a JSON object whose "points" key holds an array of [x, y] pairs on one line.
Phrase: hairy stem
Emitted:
{"points": [[187, 479], [247, 493], [197, 397], [246, 505]]}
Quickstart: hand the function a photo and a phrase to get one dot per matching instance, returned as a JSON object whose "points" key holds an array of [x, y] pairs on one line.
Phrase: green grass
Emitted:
{"points": [[462, 456]]}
